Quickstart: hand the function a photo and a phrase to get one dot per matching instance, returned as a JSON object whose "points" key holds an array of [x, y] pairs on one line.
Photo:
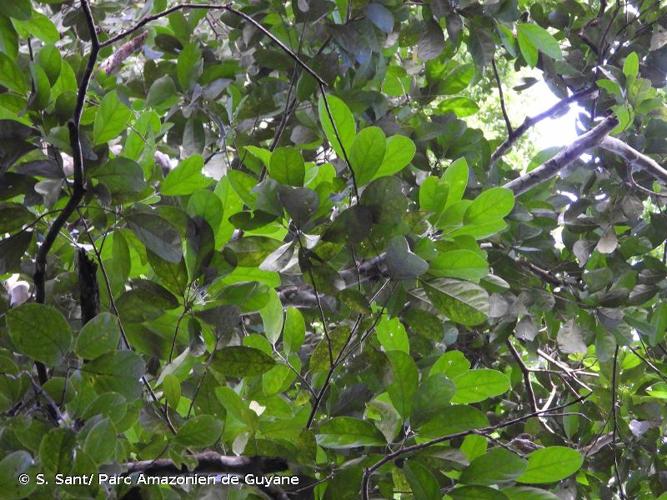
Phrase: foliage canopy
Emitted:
{"points": [[263, 237]]}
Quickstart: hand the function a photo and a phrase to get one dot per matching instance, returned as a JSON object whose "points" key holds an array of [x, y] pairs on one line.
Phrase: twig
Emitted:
{"points": [[614, 403], [566, 156], [532, 121], [184, 6], [365, 481], [508, 124], [340, 142], [648, 363], [526, 375], [39, 276]]}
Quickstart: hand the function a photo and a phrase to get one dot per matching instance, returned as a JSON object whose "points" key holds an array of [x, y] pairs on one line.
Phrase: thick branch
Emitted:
{"points": [[365, 482], [532, 121], [566, 156], [184, 6], [211, 462], [634, 157]]}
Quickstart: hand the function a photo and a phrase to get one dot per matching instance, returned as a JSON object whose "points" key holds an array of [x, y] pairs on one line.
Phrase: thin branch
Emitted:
{"points": [[566, 156], [211, 462], [185, 6], [39, 276], [342, 147], [614, 421], [508, 124], [634, 157], [365, 482], [532, 121], [526, 375]]}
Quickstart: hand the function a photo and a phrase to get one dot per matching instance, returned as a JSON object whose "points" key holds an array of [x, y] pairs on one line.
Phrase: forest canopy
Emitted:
{"points": [[308, 249]]}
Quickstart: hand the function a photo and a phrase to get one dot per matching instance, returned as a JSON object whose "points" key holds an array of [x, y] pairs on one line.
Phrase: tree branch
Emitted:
{"points": [[634, 157], [532, 121], [212, 462], [78, 192], [526, 375], [115, 60], [365, 481], [566, 156], [508, 124], [184, 6]]}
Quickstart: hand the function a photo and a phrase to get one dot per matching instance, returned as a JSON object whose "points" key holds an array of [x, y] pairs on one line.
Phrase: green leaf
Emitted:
{"points": [[40, 332], [287, 166], [186, 178], [272, 317], [252, 250], [157, 234], [343, 123], [56, 450], [405, 380], [38, 26], [295, 330], [100, 335], [473, 386], [398, 154], [533, 38], [162, 93], [462, 302], [199, 432], [401, 262], [17, 9], [301, 204], [111, 119], [462, 264], [422, 482], [189, 66], [476, 492], [11, 75], [121, 176], [460, 106], [100, 442], [631, 65], [496, 466], [119, 372], [367, 153], [392, 335], [240, 361], [453, 419], [456, 178], [528, 493], [11, 466], [348, 432], [451, 363], [432, 397], [490, 205], [551, 464]]}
